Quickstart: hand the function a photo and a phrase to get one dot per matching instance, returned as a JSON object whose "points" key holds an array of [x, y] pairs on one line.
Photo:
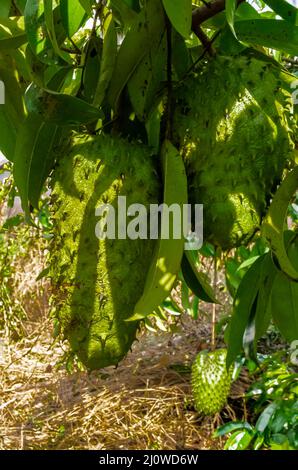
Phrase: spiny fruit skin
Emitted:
{"points": [[98, 282], [211, 382], [234, 126]]}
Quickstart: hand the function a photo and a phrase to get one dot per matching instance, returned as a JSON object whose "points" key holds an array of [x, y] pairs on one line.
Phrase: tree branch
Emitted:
{"points": [[207, 11]]}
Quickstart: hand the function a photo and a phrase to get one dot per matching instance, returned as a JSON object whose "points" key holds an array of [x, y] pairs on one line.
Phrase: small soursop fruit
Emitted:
{"points": [[211, 382], [234, 125], [96, 283]]}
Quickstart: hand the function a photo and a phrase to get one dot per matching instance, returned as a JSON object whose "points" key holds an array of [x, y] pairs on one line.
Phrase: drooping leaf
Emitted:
{"points": [[145, 32], [179, 13], [73, 15], [230, 9], [284, 299], [33, 158], [244, 302], [127, 14], [12, 109], [196, 280], [108, 61], [37, 32], [168, 252], [50, 24], [91, 72], [273, 225], [146, 80]]}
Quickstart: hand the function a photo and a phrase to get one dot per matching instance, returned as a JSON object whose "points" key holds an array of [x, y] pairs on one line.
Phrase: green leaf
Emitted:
{"points": [[108, 61], [5, 8], [87, 5], [244, 302], [37, 32], [126, 14], [59, 108], [145, 32], [91, 72], [73, 15], [265, 417], [195, 280], [146, 80], [179, 13], [275, 34], [50, 24], [232, 426], [273, 225], [231, 6], [33, 158], [284, 9], [240, 440], [153, 125], [12, 111], [12, 34], [284, 306]]}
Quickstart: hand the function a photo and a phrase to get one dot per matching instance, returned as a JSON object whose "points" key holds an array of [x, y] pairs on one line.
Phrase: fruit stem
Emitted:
{"points": [[213, 318]]}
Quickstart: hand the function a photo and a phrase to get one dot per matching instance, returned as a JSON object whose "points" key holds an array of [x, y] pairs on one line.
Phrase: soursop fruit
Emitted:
{"points": [[96, 283], [234, 125], [211, 382]]}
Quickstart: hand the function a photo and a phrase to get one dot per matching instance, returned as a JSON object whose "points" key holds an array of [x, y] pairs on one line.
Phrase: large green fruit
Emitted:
{"points": [[211, 382], [98, 282], [233, 124]]}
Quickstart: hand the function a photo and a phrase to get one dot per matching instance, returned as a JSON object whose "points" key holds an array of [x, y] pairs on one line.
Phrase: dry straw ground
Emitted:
{"points": [[143, 404]]}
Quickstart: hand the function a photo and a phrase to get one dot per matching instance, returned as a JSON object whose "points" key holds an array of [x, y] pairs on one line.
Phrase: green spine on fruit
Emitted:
{"points": [[211, 381], [96, 283], [234, 125]]}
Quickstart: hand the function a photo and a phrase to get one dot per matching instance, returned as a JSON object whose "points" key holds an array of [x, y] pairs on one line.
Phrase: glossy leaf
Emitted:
{"points": [[230, 9], [276, 34], [12, 111], [232, 426], [50, 24], [273, 225], [284, 9], [73, 15], [59, 108], [91, 72], [12, 34], [195, 280], [144, 33], [146, 80], [127, 14], [284, 306], [87, 5], [37, 33], [108, 61], [244, 302], [33, 158], [168, 253], [179, 13], [240, 440]]}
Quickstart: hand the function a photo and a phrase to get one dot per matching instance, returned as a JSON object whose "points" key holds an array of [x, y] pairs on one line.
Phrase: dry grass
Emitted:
{"points": [[144, 404], [140, 405]]}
